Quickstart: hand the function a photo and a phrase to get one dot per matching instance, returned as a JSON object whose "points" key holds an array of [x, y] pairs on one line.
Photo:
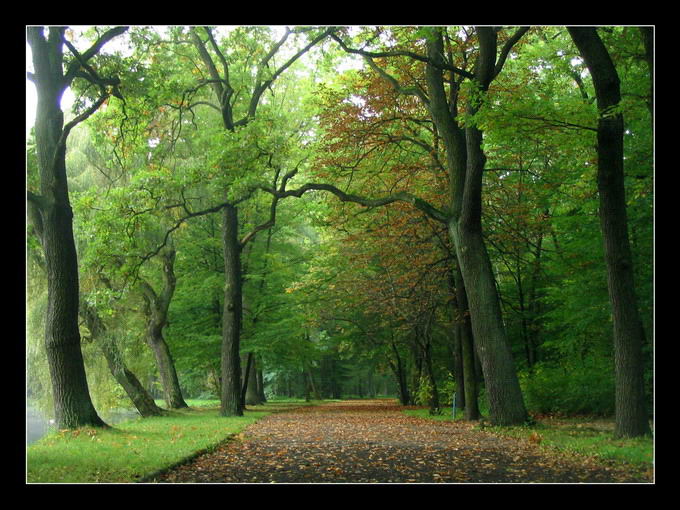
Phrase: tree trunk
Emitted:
{"points": [[470, 389], [631, 412], [157, 318], [466, 163], [172, 392], [143, 402], [400, 374], [260, 384], [250, 394], [72, 403], [231, 404]]}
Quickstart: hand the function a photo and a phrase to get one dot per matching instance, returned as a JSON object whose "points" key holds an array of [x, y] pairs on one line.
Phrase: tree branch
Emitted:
{"points": [[401, 53], [262, 86], [92, 51], [418, 203], [507, 47]]}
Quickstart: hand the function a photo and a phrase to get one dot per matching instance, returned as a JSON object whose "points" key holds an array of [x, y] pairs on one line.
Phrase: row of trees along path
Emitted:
{"points": [[375, 442]]}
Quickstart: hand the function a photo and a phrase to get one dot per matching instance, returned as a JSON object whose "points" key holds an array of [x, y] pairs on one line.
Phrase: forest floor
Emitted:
{"points": [[375, 442]]}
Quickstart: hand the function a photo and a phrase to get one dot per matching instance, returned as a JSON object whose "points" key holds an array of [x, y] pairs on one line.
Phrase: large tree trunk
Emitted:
{"points": [[466, 161], [231, 404], [157, 314], [72, 403], [631, 411]]}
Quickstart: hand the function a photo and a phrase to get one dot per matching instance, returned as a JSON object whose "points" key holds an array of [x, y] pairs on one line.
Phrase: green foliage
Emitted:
{"points": [[337, 290], [424, 393], [579, 388]]}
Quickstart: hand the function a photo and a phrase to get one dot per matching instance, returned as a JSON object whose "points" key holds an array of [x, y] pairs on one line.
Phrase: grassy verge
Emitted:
{"points": [[586, 436], [134, 449], [578, 435]]}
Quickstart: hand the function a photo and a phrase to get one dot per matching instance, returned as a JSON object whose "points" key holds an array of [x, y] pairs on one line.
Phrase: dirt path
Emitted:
{"points": [[374, 442]]}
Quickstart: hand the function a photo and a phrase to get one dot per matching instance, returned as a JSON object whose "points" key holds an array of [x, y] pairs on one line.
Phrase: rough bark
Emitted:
{"points": [[466, 164], [157, 318], [72, 403], [141, 399], [631, 412], [231, 403]]}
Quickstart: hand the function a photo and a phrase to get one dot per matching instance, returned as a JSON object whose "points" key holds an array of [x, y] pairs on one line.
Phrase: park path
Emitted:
{"points": [[375, 442]]}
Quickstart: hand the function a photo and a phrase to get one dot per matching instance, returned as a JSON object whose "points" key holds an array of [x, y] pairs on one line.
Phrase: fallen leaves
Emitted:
{"points": [[374, 442]]}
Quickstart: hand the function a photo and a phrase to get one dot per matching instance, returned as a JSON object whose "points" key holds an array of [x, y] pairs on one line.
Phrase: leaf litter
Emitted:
{"points": [[375, 442]]}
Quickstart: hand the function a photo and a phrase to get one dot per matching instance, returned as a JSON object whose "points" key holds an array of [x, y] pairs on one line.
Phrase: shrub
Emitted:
{"points": [[586, 388]]}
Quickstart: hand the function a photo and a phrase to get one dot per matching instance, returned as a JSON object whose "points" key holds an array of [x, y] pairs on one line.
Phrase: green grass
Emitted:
{"points": [[589, 437], [425, 413], [592, 437], [132, 450]]}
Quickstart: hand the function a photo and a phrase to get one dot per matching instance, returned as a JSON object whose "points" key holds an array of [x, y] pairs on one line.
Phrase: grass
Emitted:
{"points": [[589, 437], [592, 437], [132, 450]]}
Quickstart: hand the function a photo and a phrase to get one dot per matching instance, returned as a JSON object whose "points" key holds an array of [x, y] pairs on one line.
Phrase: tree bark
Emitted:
{"points": [[466, 164], [260, 384], [143, 402], [631, 412], [72, 403], [231, 404], [400, 374], [252, 397], [157, 318]]}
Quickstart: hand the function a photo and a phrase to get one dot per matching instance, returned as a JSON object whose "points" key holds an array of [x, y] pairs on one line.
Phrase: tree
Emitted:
{"points": [[631, 413], [466, 161], [156, 311], [141, 399], [51, 213], [256, 79]]}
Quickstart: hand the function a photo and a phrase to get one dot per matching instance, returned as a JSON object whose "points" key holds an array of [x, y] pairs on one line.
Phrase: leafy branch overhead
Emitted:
{"points": [[453, 184]]}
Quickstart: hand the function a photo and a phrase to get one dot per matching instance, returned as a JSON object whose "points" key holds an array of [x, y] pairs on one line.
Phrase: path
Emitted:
{"points": [[374, 442]]}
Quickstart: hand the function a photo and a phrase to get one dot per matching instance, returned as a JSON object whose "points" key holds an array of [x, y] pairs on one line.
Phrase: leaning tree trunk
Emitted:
{"points": [[631, 412], [231, 403], [172, 392], [502, 385], [466, 161], [143, 402], [157, 318], [52, 214]]}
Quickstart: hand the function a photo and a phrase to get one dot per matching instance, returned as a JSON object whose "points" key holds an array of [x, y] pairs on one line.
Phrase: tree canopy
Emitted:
{"points": [[347, 211]]}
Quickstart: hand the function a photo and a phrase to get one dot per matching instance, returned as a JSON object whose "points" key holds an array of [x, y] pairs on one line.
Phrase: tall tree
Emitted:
{"points": [[157, 307], [51, 213], [466, 162], [631, 412], [224, 92]]}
